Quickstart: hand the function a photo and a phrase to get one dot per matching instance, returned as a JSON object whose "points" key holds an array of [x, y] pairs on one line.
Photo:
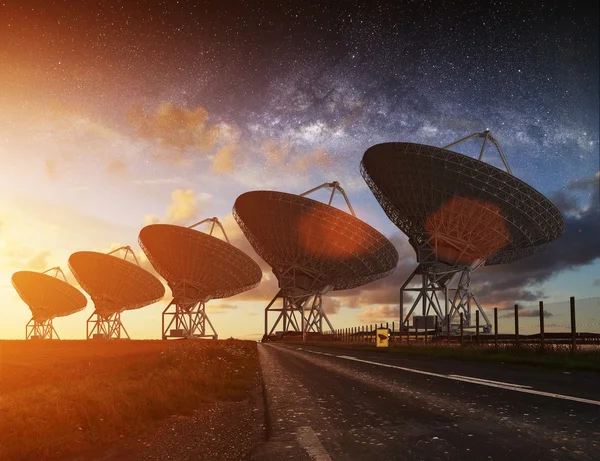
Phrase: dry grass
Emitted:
{"points": [[59, 397]]}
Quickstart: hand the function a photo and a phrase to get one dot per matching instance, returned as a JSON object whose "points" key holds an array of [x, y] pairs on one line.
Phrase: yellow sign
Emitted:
{"points": [[382, 337]]}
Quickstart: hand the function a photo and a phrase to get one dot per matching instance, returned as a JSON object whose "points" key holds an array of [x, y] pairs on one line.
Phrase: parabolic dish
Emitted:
{"points": [[114, 284], [463, 209], [198, 266], [47, 296], [324, 245]]}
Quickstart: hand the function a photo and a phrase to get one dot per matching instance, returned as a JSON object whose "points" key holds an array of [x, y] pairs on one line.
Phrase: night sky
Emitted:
{"points": [[117, 114]]}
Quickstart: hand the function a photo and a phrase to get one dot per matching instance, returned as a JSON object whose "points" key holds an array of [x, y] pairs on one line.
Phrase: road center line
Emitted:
{"points": [[308, 440], [467, 379], [470, 378]]}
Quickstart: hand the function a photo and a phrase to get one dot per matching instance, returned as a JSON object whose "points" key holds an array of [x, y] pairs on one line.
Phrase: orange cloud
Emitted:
{"points": [[379, 314], [224, 161], [116, 167], [50, 168], [182, 133], [185, 206]]}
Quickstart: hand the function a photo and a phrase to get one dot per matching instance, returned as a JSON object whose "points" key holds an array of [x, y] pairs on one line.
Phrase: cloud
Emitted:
{"points": [[224, 161], [116, 167], [528, 313], [316, 158], [331, 305], [276, 153], [185, 206], [39, 261], [181, 135], [173, 126], [220, 308], [51, 165], [379, 314]]}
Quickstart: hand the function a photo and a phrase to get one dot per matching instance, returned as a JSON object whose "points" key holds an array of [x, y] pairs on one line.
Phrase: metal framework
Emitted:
{"points": [[459, 213], [189, 322], [37, 329], [123, 285], [297, 313], [198, 267], [105, 325], [313, 249]]}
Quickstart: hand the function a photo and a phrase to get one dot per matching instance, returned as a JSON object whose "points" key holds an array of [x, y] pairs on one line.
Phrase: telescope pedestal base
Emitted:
{"points": [[302, 314], [432, 289], [40, 330], [105, 326], [189, 322]]}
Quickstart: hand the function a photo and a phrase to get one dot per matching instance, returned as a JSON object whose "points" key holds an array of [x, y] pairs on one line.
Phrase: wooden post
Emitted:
{"points": [[426, 329], [573, 326], [461, 329], [436, 327], [542, 339], [477, 326], [400, 332], [517, 325], [496, 327]]}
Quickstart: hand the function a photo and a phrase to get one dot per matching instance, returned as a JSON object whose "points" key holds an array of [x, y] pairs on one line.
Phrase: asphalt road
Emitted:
{"points": [[330, 404]]}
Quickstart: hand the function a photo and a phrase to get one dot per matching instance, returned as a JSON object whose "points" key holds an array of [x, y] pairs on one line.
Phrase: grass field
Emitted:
{"points": [[558, 357], [59, 397]]}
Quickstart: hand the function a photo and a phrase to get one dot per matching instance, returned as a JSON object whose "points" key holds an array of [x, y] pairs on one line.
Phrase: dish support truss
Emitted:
{"points": [[108, 325], [40, 330], [185, 319], [435, 298], [300, 311]]}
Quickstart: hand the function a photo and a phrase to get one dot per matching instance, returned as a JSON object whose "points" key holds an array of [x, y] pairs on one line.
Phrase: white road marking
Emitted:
{"points": [[308, 440], [470, 378], [482, 382]]}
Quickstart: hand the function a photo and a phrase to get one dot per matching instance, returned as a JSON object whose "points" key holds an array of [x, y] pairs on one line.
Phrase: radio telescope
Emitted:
{"points": [[198, 267], [313, 248], [48, 297], [459, 214], [115, 285]]}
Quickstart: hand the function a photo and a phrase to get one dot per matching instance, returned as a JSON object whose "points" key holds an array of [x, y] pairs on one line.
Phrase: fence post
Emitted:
{"points": [[400, 332], [461, 329], [496, 327], [542, 339], [477, 326], [517, 325], [573, 326]]}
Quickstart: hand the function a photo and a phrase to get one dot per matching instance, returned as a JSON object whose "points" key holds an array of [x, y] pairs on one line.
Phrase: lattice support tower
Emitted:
{"points": [[105, 326], [187, 321], [40, 330], [301, 314]]}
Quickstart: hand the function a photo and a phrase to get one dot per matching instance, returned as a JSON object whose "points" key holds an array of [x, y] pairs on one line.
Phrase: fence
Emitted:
{"points": [[365, 334]]}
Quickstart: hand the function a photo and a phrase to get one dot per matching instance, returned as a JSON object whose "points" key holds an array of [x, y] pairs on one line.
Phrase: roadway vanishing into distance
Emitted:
{"points": [[331, 404]]}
